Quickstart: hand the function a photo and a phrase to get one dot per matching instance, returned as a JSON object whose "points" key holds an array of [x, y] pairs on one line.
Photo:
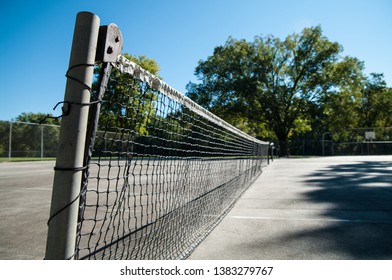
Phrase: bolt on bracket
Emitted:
{"points": [[110, 42]]}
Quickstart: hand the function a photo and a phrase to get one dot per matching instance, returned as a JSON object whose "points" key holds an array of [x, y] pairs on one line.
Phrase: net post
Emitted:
{"points": [[270, 152], [62, 224]]}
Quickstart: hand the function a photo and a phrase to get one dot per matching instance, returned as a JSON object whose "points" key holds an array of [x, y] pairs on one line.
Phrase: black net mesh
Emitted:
{"points": [[161, 175]]}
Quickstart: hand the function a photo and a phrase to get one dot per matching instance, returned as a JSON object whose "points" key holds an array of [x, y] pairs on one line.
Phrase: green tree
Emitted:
{"points": [[376, 102], [128, 108], [37, 118], [340, 102], [4, 138], [127, 103], [32, 132], [273, 84]]}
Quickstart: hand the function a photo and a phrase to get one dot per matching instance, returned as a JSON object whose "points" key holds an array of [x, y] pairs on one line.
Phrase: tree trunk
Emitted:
{"points": [[283, 142], [284, 148]]}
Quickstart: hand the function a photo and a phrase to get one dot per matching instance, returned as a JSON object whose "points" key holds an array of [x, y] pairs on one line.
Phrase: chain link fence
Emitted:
{"points": [[354, 141], [39, 141], [28, 140]]}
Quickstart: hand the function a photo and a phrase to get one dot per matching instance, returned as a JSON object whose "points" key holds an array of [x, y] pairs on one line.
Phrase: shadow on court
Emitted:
{"points": [[360, 195], [317, 208]]}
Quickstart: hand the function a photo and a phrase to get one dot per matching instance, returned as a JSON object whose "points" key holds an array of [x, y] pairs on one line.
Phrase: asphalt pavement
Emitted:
{"points": [[25, 193], [331, 208]]}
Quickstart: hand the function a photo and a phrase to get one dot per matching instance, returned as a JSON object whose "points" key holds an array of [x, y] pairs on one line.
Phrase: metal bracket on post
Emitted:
{"points": [[109, 47], [110, 43]]}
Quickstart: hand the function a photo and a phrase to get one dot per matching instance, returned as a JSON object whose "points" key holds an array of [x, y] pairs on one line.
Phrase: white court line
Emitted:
{"points": [[49, 188], [312, 219]]}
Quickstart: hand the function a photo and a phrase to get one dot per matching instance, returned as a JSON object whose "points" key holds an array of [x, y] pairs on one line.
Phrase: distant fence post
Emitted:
{"points": [[42, 142], [10, 143], [69, 163]]}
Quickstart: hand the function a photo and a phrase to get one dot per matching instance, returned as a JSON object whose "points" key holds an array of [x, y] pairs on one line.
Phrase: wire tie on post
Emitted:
{"points": [[77, 80], [76, 169], [62, 209], [65, 111], [70, 168]]}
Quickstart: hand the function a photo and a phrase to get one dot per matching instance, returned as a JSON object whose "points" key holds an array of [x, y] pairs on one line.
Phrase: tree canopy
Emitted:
{"points": [[277, 88], [125, 101]]}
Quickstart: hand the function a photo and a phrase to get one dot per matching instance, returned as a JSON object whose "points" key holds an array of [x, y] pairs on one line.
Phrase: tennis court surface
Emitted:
{"points": [[25, 193], [314, 208], [318, 208]]}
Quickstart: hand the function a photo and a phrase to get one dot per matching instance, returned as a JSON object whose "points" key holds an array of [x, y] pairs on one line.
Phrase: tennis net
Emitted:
{"points": [[163, 171]]}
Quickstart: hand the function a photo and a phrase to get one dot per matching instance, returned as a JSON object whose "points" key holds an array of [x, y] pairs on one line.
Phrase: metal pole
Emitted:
{"points": [[269, 153], [10, 143], [42, 142], [67, 179]]}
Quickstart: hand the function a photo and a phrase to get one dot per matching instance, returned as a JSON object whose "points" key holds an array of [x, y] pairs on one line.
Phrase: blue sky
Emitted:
{"points": [[36, 37]]}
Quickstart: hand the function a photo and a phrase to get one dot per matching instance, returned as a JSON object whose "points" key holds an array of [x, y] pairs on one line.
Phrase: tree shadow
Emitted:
{"points": [[359, 212]]}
